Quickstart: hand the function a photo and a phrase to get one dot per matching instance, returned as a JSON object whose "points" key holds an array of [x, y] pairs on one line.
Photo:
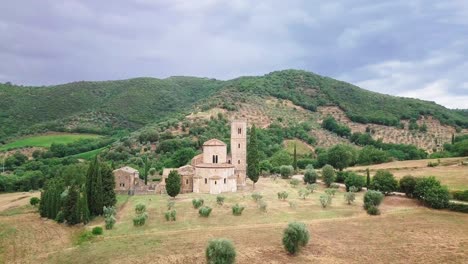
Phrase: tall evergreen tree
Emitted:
{"points": [[83, 206], [368, 178], [108, 185], [295, 158], [173, 183], [253, 162], [146, 167], [71, 210], [94, 188]]}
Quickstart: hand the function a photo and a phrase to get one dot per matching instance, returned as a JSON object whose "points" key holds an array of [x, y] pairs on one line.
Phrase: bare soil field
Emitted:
{"points": [[405, 232], [450, 172]]}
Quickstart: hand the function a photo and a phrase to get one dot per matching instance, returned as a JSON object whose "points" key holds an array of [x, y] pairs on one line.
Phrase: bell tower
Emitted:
{"points": [[239, 150]]}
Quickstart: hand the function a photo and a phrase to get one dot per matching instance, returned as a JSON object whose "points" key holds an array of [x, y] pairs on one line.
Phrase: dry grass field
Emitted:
{"points": [[404, 233], [450, 171]]}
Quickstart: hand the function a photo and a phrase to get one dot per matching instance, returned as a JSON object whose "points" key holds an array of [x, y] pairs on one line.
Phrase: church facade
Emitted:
{"points": [[215, 171]]}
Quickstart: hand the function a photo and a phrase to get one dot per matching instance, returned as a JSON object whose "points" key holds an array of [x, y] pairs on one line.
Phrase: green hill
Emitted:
{"points": [[108, 106]]}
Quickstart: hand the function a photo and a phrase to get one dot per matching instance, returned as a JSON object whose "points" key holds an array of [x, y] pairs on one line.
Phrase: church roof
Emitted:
{"points": [[128, 169], [214, 142]]}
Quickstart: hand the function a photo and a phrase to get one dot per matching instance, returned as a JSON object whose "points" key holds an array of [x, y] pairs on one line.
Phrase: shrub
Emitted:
{"points": [[84, 236], [423, 185], [294, 182], [220, 199], [303, 193], [170, 205], [312, 187], [432, 164], [282, 195], [256, 196], [262, 205], [373, 210], [355, 180], [325, 200], [109, 211], [384, 182], [350, 197], [458, 207], [237, 209], [97, 230], [197, 203], [110, 222], [341, 176], [330, 191], [286, 171], [460, 195], [310, 176], [170, 215], [60, 217], [437, 197], [140, 208], [292, 204], [34, 201], [328, 175], [295, 236], [220, 251], [372, 198], [408, 185], [353, 189], [204, 211], [334, 186], [140, 219]]}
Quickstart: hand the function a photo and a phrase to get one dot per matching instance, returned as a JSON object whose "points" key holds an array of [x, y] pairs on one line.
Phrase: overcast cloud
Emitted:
{"points": [[407, 48]]}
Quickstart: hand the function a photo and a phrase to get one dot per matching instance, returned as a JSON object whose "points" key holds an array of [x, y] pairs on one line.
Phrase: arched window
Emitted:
{"points": [[206, 180], [239, 131], [224, 180], [215, 182], [216, 159], [238, 161], [238, 145], [186, 181]]}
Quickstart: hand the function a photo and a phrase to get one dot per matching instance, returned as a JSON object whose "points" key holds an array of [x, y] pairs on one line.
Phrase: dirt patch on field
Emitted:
{"points": [[12, 200]]}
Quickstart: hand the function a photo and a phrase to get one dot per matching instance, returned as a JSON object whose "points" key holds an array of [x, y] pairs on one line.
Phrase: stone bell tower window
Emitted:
{"points": [[239, 131]]}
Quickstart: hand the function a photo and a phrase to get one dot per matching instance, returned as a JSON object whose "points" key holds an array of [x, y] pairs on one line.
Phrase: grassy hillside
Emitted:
{"points": [[46, 140], [105, 107]]}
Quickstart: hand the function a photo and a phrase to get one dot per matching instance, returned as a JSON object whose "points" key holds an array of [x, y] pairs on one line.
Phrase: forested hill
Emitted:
{"points": [[105, 107]]}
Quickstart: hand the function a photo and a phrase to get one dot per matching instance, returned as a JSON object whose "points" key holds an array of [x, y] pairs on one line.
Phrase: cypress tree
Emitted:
{"points": [[43, 204], [94, 187], [173, 183], [368, 178], [253, 167], [108, 185], [453, 139], [83, 206], [71, 207], [295, 158]]}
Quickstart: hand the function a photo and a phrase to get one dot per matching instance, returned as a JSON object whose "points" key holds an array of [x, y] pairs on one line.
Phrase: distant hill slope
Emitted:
{"points": [[105, 107]]}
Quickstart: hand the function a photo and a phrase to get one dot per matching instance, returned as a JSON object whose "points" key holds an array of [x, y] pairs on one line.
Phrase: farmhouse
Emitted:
{"points": [[127, 181], [215, 171]]}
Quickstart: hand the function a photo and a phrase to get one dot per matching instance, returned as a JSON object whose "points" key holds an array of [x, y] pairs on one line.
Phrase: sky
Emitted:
{"points": [[412, 48]]}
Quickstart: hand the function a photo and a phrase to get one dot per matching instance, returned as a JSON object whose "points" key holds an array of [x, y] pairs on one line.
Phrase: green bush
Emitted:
{"points": [[262, 205], [328, 175], [220, 251], [34, 201], [97, 230], [384, 181], [220, 200], [334, 186], [423, 185], [373, 210], [310, 176], [408, 185], [294, 182], [341, 176], [60, 218], [205, 211], [372, 198], [140, 219], [170, 205], [197, 203], [256, 196], [140, 208], [286, 171], [330, 191], [237, 209], [353, 189], [350, 197], [458, 207], [84, 236], [460, 195], [355, 180], [170, 215], [292, 204], [312, 187], [325, 200], [437, 197], [283, 195], [295, 236], [304, 192], [110, 222]]}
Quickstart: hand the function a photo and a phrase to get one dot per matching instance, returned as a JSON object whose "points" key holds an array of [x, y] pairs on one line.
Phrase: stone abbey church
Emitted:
{"points": [[214, 171]]}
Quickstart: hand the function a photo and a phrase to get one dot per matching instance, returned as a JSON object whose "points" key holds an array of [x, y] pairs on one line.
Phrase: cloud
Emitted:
{"points": [[402, 47]]}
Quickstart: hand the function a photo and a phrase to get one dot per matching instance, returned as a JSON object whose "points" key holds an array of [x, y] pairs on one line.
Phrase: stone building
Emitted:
{"points": [[215, 171], [127, 181]]}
